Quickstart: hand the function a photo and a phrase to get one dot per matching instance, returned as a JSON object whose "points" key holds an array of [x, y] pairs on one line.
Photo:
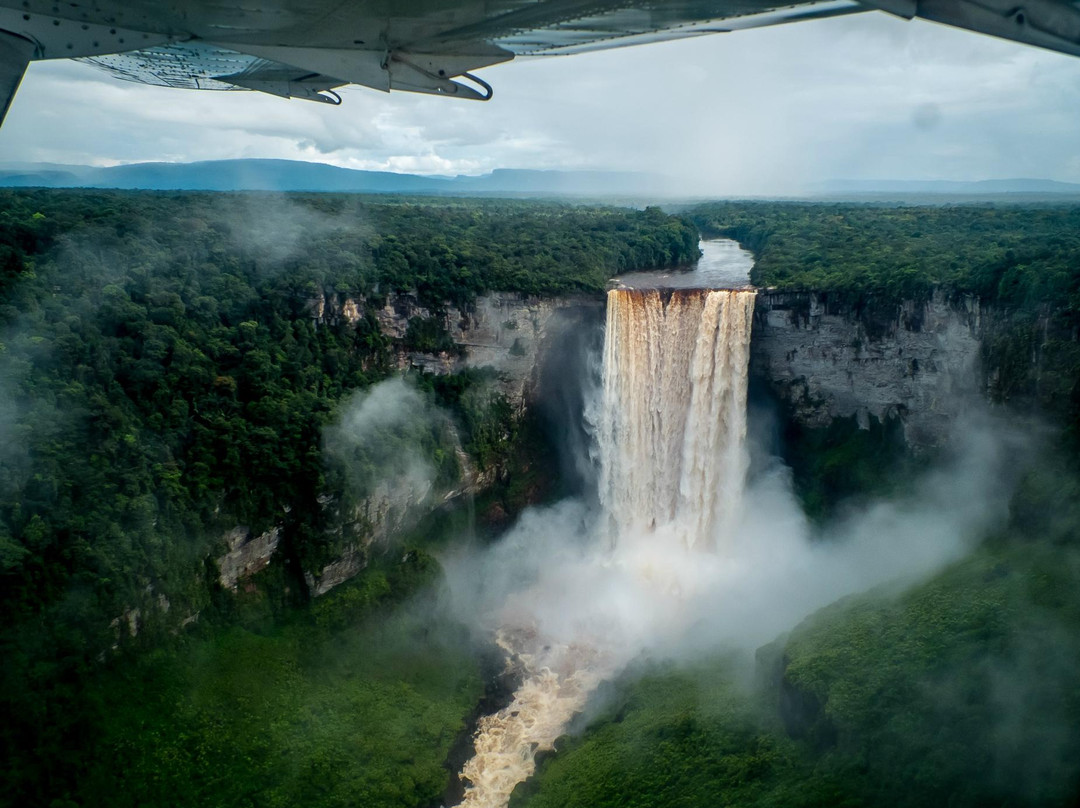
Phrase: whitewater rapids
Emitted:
{"points": [[670, 431]]}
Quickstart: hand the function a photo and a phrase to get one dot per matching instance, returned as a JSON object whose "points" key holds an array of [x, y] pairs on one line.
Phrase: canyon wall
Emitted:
{"points": [[921, 363], [501, 330], [825, 360], [504, 331]]}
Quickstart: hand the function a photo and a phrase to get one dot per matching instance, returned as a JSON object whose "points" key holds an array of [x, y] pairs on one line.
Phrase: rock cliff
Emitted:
{"points": [[921, 363], [246, 554], [826, 360], [504, 331]]}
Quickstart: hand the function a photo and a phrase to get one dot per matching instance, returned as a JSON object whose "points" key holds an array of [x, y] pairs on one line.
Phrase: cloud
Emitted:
{"points": [[382, 439], [763, 111]]}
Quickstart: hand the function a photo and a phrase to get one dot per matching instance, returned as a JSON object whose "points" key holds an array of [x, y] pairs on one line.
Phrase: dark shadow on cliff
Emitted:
{"points": [[568, 377]]}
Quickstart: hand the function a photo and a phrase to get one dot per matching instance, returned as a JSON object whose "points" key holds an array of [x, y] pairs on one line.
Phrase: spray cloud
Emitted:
{"points": [[681, 560]]}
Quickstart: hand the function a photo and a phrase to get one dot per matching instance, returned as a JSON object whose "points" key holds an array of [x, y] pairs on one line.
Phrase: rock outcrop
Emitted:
{"points": [[501, 330], [393, 507], [246, 555], [826, 360]]}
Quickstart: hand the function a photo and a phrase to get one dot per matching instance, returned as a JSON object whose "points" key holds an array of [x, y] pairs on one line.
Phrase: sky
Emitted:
{"points": [[770, 111]]}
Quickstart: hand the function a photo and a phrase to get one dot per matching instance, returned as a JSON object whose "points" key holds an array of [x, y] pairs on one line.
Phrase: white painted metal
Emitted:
{"points": [[305, 48]]}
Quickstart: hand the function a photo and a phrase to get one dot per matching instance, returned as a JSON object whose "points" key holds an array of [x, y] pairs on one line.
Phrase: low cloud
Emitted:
{"points": [[386, 435], [554, 576], [755, 112]]}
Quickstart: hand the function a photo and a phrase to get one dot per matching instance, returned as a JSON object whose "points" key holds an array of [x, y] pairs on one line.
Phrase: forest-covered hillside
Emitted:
{"points": [[163, 379], [1007, 255], [961, 692]]}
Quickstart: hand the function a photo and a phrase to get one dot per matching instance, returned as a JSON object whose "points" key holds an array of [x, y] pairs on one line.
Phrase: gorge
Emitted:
{"points": [[288, 481], [919, 369], [671, 424]]}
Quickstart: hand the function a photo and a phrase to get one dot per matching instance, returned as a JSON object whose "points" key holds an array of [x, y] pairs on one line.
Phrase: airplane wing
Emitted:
{"points": [[308, 48], [15, 55]]}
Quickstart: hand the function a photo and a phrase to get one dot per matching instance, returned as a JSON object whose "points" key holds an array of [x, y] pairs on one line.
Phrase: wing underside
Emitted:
{"points": [[15, 54], [532, 32], [308, 48], [197, 66], [434, 55]]}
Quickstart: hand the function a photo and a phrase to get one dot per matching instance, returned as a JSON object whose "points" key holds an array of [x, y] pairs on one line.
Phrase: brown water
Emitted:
{"points": [[670, 433]]}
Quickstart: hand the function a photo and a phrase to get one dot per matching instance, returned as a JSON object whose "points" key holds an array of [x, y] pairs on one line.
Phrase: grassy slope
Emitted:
{"points": [[961, 692], [354, 703]]}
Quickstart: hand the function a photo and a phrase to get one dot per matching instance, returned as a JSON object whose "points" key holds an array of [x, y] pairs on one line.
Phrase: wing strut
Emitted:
{"points": [[15, 55]]}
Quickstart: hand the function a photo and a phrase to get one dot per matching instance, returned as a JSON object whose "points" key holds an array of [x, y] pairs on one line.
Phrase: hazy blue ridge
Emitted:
{"points": [[291, 175], [1000, 186]]}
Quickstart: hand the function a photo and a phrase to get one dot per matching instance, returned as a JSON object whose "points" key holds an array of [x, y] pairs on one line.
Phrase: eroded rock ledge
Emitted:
{"points": [[827, 360], [504, 331]]}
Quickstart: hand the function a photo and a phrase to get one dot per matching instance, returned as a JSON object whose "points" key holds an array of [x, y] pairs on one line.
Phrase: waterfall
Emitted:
{"points": [[670, 434], [674, 410]]}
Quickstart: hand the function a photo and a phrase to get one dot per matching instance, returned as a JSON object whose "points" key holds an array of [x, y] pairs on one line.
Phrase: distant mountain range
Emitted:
{"points": [[847, 188], [290, 175]]}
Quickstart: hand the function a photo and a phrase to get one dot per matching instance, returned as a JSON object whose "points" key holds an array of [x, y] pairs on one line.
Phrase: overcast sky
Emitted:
{"points": [[754, 112]]}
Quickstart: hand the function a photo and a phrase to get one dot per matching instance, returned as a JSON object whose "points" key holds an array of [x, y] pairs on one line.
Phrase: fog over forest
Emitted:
{"points": [[396, 501]]}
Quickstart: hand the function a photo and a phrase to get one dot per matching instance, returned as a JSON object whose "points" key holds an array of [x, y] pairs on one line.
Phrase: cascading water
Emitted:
{"points": [[670, 432], [674, 409]]}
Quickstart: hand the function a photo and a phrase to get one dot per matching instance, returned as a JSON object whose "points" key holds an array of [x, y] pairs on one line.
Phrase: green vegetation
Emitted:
{"points": [[867, 254], [835, 464], [961, 692], [671, 737], [355, 702], [164, 376]]}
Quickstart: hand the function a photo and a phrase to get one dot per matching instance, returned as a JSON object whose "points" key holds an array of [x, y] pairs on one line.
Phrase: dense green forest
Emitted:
{"points": [[1019, 263], [163, 379], [1011, 256]]}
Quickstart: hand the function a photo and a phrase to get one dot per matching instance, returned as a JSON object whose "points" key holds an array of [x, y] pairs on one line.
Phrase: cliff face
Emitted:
{"points": [[247, 554], [826, 361], [504, 331]]}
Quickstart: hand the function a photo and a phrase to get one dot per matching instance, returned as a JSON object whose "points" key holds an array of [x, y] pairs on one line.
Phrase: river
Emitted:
{"points": [[723, 265]]}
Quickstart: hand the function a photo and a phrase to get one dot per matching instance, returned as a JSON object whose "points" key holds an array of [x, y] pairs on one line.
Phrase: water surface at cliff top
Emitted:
{"points": [[723, 265]]}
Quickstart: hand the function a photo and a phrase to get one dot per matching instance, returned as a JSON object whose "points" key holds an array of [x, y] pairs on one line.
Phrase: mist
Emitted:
{"points": [[554, 573], [382, 437], [274, 228], [577, 591]]}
